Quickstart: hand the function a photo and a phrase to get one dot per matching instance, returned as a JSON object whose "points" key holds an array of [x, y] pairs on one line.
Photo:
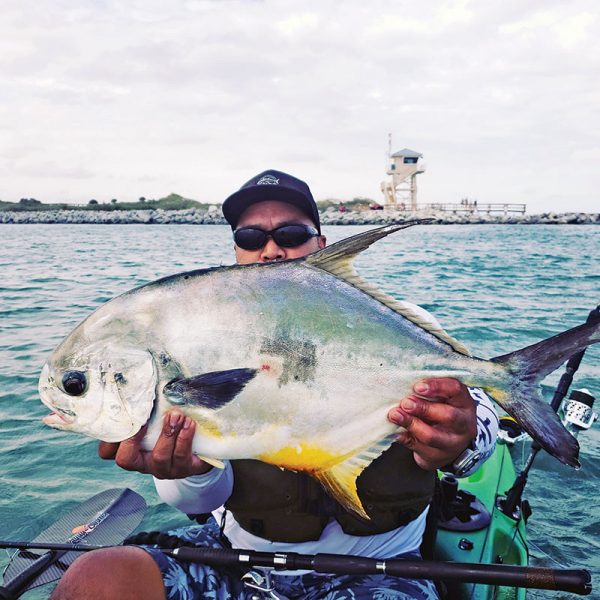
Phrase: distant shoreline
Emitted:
{"points": [[195, 216]]}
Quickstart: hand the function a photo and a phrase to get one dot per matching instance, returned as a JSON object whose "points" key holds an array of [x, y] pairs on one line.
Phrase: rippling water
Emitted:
{"points": [[497, 288]]}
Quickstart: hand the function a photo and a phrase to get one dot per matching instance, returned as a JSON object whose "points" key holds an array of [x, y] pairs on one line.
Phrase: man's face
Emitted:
{"points": [[269, 215]]}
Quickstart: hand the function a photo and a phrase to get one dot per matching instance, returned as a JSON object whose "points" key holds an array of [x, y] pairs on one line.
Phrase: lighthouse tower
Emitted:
{"points": [[400, 191]]}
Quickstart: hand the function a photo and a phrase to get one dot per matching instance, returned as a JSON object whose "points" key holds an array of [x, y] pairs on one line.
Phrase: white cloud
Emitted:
{"points": [[575, 29], [196, 96], [569, 29], [298, 23]]}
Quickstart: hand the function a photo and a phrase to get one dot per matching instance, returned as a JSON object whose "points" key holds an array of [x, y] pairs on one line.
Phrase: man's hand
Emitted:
{"points": [[440, 428], [171, 457]]}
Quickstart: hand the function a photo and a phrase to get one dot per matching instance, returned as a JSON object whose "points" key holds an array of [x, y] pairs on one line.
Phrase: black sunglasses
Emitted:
{"points": [[286, 236]]}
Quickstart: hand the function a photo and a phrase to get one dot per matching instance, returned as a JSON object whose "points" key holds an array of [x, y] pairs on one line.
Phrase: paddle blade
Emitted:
{"points": [[106, 519]]}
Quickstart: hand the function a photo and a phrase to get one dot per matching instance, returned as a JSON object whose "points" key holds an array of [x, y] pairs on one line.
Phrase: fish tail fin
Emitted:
{"points": [[529, 366], [340, 479]]}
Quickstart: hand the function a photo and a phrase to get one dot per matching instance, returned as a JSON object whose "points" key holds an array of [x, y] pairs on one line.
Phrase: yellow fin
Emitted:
{"points": [[338, 259], [303, 457], [215, 462], [340, 480]]}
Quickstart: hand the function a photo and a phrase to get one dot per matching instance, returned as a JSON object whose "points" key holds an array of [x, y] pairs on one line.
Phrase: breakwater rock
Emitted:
{"points": [[213, 216]]}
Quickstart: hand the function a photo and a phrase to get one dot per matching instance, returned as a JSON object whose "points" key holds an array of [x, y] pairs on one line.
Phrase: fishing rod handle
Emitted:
{"points": [[577, 581], [321, 563], [222, 557]]}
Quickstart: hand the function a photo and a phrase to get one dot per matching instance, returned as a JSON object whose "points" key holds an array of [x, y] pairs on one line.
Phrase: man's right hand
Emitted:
{"points": [[171, 457]]}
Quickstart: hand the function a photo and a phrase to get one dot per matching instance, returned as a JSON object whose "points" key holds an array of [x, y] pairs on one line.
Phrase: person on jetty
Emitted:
{"points": [[258, 506]]}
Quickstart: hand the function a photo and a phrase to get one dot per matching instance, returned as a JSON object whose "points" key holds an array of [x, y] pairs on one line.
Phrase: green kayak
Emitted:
{"points": [[501, 541]]}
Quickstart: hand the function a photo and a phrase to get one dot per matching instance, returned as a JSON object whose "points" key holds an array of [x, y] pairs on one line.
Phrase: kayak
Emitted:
{"points": [[483, 518], [483, 533]]}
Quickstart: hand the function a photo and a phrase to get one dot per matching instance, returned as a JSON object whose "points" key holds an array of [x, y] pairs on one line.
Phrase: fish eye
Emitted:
{"points": [[74, 383]]}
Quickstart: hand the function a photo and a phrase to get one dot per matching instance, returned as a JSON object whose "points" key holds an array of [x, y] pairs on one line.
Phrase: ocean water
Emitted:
{"points": [[496, 288]]}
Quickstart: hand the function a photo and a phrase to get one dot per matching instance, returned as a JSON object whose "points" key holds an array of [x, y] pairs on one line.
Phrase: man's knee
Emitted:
{"points": [[126, 573]]}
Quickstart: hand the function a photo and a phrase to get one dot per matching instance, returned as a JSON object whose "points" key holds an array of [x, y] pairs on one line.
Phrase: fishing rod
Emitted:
{"points": [[577, 581], [511, 505]]}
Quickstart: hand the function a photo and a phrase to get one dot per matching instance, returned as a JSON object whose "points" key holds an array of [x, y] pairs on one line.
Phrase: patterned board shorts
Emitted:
{"points": [[189, 581]]}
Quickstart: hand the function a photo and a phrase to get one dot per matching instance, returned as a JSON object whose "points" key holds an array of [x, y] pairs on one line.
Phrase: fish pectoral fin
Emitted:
{"points": [[211, 390], [215, 462], [340, 480]]}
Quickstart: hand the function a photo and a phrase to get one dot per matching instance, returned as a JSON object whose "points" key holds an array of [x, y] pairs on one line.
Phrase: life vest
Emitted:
{"points": [[284, 506]]}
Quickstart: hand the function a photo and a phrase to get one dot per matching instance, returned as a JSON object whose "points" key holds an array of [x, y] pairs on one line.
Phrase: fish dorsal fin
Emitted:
{"points": [[338, 259], [340, 480]]}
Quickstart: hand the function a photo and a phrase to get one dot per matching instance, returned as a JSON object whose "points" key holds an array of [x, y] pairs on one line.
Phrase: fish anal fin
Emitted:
{"points": [[210, 390], [340, 479]]}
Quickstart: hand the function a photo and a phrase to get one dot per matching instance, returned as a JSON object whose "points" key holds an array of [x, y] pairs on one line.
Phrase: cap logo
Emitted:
{"points": [[268, 180]]}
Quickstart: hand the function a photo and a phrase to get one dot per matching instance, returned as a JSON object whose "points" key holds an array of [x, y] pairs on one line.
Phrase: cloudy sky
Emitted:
{"points": [[126, 98]]}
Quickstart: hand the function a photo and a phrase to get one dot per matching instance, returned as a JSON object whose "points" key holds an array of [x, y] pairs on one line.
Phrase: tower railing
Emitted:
{"points": [[468, 207]]}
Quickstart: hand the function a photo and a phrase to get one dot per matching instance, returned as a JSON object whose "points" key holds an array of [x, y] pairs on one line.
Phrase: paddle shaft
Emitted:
{"points": [[20, 583], [577, 581]]}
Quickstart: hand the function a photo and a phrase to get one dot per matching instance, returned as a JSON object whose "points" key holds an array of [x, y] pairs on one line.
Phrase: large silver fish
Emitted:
{"points": [[294, 363]]}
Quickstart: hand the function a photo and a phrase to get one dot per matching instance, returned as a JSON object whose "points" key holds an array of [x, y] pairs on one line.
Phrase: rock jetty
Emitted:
{"points": [[332, 216]]}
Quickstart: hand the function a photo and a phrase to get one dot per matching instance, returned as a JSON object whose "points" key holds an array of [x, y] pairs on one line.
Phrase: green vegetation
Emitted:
{"points": [[357, 204], [170, 202]]}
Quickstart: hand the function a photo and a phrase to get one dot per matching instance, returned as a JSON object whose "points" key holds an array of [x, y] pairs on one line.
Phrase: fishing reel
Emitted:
{"points": [[510, 432], [260, 581], [576, 411]]}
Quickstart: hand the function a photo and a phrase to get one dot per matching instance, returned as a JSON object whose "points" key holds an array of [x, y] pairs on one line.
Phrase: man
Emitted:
{"points": [[274, 217]]}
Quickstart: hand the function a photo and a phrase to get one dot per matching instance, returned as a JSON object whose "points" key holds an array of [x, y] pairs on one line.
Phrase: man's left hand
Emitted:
{"points": [[439, 428]]}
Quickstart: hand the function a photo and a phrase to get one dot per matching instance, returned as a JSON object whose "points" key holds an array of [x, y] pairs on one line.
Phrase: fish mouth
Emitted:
{"points": [[55, 418]]}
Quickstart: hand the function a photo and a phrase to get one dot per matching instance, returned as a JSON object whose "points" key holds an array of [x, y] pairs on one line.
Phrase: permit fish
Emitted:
{"points": [[293, 363]]}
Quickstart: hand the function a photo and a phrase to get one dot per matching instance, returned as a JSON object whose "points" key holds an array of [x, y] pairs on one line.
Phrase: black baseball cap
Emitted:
{"points": [[271, 185]]}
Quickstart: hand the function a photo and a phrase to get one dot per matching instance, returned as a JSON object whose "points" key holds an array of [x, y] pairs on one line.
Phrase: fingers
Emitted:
{"points": [[442, 401], [130, 456], [172, 456], [439, 420], [412, 407], [183, 456], [162, 454], [425, 455], [445, 389], [108, 450], [183, 442]]}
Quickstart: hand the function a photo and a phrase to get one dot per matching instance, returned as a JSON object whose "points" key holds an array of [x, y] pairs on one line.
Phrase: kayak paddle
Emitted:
{"points": [[106, 519]]}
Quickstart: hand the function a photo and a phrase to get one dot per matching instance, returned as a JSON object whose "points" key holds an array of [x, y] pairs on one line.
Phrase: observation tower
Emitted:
{"points": [[400, 191]]}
